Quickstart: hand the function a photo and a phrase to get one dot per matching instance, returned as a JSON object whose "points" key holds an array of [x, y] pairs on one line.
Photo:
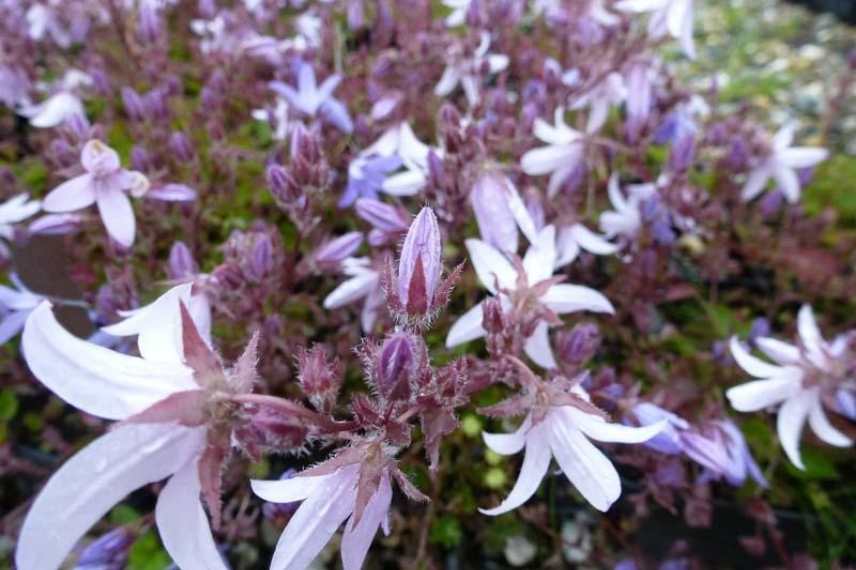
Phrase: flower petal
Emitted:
{"points": [[11, 324], [74, 194], [790, 422], [287, 490], [96, 478], [508, 443], [117, 215], [810, 336], [585, 466], [566, 298], [316, 521], [591, 241], [357, 540], [468, 327], [537, 347], [782, 352], [802, 157], [183, 524], [536, 460], [351, 290], [95, 379], [492, 267], [597, 428], [754, 366], [540, 258], [546, 159], [755, 183], [757, 395], [824, 430]]}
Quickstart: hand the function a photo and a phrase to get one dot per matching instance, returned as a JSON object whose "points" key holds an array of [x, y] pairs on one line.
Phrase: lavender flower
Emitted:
{"points": [[674, 17], [466, 71], [104, 183], [12, 211], [315, 100], [420, 265], [15, 307], [561, 158]]}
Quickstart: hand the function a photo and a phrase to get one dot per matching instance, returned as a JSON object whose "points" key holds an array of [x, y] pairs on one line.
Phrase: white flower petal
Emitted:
{"points": [[802, 157], [754, 366], [183, 524], [585, 466], [95, 379], [407, 183], [546, 159], [74, 194], [790, 422], [536, 460], [540, 258], [287, 490], [755, 183], [508, 443], [468, 327], [782, 352], [491, 266], [117, 215], [356, 541], [757, 395], [598, 428], [537, 347], [591, 241], [93, 481], [824, 430], [788, 182], [351, 290], [316, 521], [566, 298]]}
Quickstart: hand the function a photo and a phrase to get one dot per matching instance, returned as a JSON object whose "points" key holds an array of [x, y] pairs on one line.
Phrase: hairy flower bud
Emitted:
{"points": [[394, 368], [420, 264], [319, 378]]}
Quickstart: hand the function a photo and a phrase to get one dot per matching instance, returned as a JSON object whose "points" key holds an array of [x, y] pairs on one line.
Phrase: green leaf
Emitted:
{"points": [[148, 554], [8, 404], [818, 466], [446, 532]]}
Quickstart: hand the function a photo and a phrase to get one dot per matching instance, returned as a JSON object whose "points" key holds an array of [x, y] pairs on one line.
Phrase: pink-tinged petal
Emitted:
{"points": [[117, 215], [540, 258], [95, 379], [97, 157], [788, 182], [782, 352], [491, 266], [565, 298], [810, 336], [546, 159], [288, 490], [158, 325], [598, 428], [755, 183], [585, 466], [597, 115], [468, 327], [802, 157], [316, 521], [592, 242], [508, 443], [784, 137], [536, 461], [559, 176], [74, 194], [11, 324], [824, 430], [93, 481], [790, 422], [754, 366], [537, 347], [351, 290], [356, 541], [183, 524], [761, 394]]}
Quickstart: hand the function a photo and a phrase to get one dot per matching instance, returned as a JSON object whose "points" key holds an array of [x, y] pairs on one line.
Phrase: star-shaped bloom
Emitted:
{"points": [[781, 165], [172, 400], [802, 376], [562, 428], [15, 306], [316, 100], [573, 238], [467, 71], [363, 283], [625, 220], [530, 289], [104, 183], [674, 17], [354, 486], [14, 210], [563, 155]]}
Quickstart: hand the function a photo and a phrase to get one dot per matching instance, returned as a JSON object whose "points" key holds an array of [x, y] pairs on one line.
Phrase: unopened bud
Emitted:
{"points": [[577, 346], [336, 251], [493, 320], [319, 379], [395, 366], [420, 264], [181, 262], [180, 145], [134, 105]]}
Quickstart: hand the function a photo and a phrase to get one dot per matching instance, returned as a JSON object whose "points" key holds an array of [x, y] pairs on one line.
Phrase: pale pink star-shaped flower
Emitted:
{"points": [[674, 17], [106, 184]]}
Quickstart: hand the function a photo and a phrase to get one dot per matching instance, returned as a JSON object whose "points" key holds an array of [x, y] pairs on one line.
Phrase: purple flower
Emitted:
{"points": [[389, 222], [420, 264], [668, 441], [366, 176], [108, 552], [336, 251], [104, 183], [15, 306], [499, 210], [315, 100]]}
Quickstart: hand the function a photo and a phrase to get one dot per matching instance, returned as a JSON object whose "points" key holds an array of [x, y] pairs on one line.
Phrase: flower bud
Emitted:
{"points": [[181, 146], [493, 320], [490, 199], [577, 346], [336, 251], [134, 106], [395, 366], [110, 550], [420, 264], [149, 25], [383, 217], [140, 159], [181, 262], [319, 379], [261, 258]]}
